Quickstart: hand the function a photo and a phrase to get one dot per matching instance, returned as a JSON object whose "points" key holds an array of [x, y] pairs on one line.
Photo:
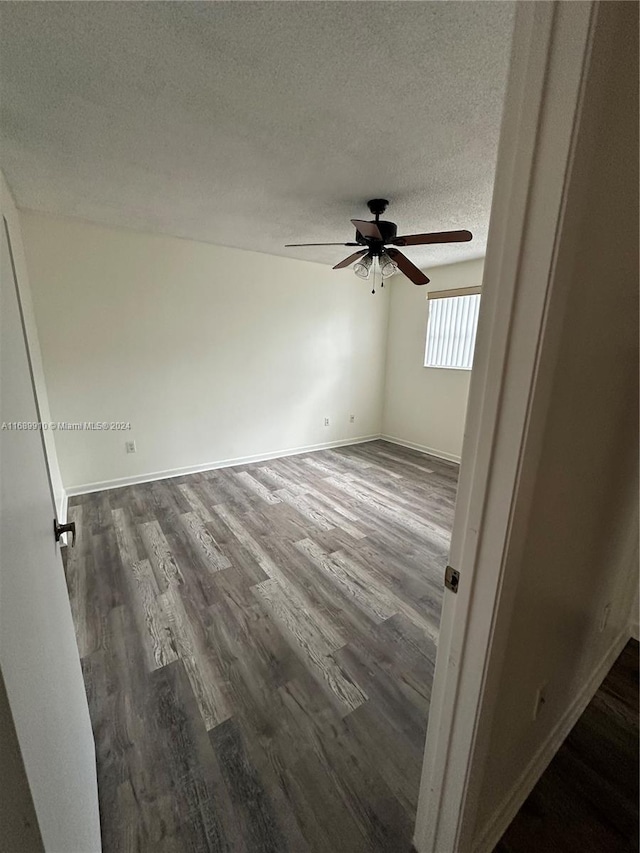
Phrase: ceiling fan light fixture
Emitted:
{"points": [[363, 267], [373, 237], [387, 265]]}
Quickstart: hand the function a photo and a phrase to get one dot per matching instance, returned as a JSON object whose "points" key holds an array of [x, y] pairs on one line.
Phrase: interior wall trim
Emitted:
{"points": [[136, 479], [430, 451], [62, 518], [497, 825]]}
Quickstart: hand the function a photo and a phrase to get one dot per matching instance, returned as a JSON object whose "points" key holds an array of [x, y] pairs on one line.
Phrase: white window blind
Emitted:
{"points": [[451, 328]]}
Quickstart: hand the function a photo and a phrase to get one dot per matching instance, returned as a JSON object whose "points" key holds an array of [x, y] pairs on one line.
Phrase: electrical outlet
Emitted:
{"points": [[326, 421], [352, 419], [130, 446], [604, 619], [540, 701]]}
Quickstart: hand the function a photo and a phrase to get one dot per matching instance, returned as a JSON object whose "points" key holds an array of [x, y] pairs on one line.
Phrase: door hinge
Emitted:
{"points": [[59, 529], [451, 578]]}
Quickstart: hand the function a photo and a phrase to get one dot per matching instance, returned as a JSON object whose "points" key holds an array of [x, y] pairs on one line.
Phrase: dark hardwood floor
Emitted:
{"points": [[587, 799], [258, 646]]}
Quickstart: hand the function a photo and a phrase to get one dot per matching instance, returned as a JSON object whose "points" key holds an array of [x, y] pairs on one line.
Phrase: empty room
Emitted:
{"points": [[249, 335]]}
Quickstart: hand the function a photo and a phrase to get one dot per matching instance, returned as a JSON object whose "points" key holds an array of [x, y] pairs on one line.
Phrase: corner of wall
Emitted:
{"points": [[423, 408], [383, 390]]}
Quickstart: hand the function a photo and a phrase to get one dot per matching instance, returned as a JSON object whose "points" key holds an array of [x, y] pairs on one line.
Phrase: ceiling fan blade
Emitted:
{"points": [[292, 245], [367, 229], [408, 267], [433, 237], [350, 259]]}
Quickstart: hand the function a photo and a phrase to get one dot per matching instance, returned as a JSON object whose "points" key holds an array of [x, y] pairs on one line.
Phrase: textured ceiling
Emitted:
{"points": [[256, 124]]}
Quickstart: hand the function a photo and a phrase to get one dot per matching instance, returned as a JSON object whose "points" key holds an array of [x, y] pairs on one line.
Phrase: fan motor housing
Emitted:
{"points": [[388, 230]]}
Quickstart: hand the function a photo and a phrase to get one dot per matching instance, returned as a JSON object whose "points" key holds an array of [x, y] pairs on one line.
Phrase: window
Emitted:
{"points": [[451, 328]]}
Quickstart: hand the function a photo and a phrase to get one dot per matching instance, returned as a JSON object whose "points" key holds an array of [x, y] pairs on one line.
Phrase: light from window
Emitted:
{"points": [[451, 331]]}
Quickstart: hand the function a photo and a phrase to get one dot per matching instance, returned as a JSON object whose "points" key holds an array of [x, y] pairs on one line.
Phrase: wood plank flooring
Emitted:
{"points": [[258, 646], [587, 798]]}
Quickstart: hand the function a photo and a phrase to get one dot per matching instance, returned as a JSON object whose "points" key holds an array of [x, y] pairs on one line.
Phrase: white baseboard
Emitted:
{"points": [[430, 451], [103, 486], [496, 826]]}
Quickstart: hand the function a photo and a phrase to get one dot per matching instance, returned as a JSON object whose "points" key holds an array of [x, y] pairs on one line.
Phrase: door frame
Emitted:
{"points": [[518, 332], [11, 216]]}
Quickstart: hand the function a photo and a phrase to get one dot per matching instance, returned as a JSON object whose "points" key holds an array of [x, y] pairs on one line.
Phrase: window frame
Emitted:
{"points": [[447, 294]]}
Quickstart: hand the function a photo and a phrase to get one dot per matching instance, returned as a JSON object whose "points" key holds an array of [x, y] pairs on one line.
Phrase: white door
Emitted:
{"points": [[39, 660]]}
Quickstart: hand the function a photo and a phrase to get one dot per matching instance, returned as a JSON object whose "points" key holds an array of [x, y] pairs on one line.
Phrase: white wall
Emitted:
{"points": [[212, 354], [10, 213], [580, 558], [424, 407]]}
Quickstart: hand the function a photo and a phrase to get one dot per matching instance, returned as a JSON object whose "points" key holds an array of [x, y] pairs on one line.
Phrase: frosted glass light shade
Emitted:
{"points": [[363, 267], [387, 265]]}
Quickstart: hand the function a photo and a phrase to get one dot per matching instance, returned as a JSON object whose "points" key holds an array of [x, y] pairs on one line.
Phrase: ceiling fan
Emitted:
{"points": [[375, 238]]}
